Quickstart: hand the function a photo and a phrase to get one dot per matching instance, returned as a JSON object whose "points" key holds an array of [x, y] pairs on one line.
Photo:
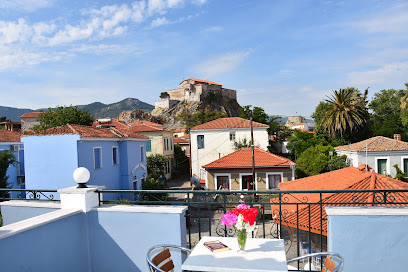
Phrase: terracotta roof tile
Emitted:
{"points": [[90, 132], [297, 124], [30, 115], [201, 80], [179, 140], [179, 130], [7, 136], [379, 143], [229, 122], [242, 158], [357, 180]]}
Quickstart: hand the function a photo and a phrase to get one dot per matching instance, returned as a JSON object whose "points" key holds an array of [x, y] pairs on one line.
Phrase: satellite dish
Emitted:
{"points": [[195, 180]]}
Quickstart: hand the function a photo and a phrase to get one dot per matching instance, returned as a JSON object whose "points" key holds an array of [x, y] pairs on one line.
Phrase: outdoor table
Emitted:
{"points": [[261, 255]]}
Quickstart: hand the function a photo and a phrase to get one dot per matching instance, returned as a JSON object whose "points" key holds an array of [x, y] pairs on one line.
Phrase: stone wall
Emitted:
{"points": [[28, 124], [165, 103]]}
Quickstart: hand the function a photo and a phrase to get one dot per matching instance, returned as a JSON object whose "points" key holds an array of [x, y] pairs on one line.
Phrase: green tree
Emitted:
{"points": [[315, 160], [7, 158], [387, 114], [63, 115], [400, 175], [319, 117], [153, 184], [198, 118], [182, 163], [242, 143], [337, 162], [156, 166], [346, 113], [164, 95], [302, 140]]}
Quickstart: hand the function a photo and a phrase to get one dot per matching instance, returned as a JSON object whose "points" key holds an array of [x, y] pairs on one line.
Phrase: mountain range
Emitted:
{"points": [[97, 109]]}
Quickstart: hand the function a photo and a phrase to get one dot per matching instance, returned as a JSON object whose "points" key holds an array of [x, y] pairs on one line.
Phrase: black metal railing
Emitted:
{"points": [[28, 194], [298, 217]]}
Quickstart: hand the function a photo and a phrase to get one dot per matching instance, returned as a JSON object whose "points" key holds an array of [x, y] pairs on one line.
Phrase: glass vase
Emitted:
{"points": [[242, 237]]}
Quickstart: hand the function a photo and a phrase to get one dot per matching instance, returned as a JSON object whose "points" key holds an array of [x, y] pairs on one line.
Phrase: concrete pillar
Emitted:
{"points": [[79, 198]]}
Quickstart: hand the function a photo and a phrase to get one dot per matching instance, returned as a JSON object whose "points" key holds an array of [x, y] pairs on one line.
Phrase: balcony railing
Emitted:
{"points": [[298, 217], [27, 194]]}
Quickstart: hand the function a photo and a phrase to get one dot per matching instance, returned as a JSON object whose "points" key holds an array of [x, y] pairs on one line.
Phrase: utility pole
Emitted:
{"points": [[252, 149]]}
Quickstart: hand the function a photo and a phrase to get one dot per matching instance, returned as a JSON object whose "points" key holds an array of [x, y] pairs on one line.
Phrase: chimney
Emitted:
{"points": [[397, 137]]}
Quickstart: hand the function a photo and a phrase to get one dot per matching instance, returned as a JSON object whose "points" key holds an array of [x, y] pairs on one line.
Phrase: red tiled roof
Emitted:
{"points": [[344, 179], [379, 143], [179, 140], [30, 115], [187, 136], [298, 124], [179, 130], [201, 80], [229, 122], [242, 158], [136, 126], [144, 122], [90, 132], [7, 136]]}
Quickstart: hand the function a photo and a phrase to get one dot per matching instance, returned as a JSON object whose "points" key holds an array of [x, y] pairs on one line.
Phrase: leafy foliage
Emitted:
{"points": [[156, 166], [198, 118], [259, 115], [388, 115], [153, 184], [182, 163], [62, 116], [302, 140], [346, 113], [400, 175], [7, 158], [164, 95], [242, 143], [316, 160]]}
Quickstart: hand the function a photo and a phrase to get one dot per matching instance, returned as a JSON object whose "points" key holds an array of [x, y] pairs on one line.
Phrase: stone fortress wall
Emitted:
{"points": [[194, 90]]}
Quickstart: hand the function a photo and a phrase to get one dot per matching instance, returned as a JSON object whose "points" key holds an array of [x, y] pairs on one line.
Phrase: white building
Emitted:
{"points": [[380, 153], [215, 139]]}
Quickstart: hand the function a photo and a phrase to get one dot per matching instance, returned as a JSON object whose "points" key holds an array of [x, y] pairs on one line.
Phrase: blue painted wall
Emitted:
{"points": [[57, 246], [120, 240], [13, 171], [130, 168], [50, 161], [13, 214]]}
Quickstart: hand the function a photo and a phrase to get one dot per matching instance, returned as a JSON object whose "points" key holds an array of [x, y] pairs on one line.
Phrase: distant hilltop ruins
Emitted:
{"points": [[194, 90]]}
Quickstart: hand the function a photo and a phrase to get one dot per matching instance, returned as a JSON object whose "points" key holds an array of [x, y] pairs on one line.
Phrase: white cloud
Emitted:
{"points": [[221, 64], [214, 29], [11, 32], [389, 73], [26, 5], [159, 22]]}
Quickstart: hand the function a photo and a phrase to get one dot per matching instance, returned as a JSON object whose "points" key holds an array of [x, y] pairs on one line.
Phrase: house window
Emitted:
{"points": [[97, 157], [167, 144], [200, 141], [222, 182], [171, 143], [167, 167], [115, 156], [142, 153], [247, 182], [405, 165], [149, 145], [274, 180], [232, 136], [382, 166]]}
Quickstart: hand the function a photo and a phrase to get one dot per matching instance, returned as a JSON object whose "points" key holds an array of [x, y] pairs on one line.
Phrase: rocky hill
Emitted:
{"points": [[97, 109], [168, 117]]}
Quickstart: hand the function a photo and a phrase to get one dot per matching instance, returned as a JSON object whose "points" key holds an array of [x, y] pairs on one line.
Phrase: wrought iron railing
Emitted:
{"points": [[28, 194], [298, 217]]}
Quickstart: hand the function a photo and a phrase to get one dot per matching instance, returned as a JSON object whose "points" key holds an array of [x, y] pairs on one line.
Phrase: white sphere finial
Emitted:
{"points": [[81, 176]]}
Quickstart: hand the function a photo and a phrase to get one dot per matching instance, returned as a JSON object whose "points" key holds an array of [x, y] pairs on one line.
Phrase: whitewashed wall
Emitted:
{"points": [[217, 144], [369, 238]]}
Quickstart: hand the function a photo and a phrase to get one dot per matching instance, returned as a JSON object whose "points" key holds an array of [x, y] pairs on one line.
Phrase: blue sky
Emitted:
{"points": [[284, 56]]}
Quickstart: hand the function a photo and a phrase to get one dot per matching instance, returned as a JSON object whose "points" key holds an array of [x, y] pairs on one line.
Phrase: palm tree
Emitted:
{"points": [[404, 99], [346, 112]]}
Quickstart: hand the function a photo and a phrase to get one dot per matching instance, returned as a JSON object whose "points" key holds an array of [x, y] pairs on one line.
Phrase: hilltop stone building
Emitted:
{"points": [[194, 90]]}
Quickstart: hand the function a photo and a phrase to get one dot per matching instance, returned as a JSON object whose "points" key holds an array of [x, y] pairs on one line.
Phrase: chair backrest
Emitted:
{"points": [[162, 261], [333, 262]]}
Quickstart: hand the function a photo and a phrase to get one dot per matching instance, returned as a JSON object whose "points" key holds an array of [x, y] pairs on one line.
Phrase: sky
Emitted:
{"points": [[283, 56]]}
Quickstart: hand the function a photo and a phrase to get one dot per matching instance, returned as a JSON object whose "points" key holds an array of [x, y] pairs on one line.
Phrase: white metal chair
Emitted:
{"points": [[162, 261], [333, 262]]}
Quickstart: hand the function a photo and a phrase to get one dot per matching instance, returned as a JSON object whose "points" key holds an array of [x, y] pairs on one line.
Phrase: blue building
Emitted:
{"points": [[10, 140], [114, 159]]}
